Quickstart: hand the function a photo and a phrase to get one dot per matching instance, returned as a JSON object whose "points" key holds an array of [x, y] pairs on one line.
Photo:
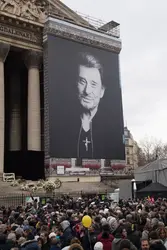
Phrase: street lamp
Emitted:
{"points": [[134, 189]]}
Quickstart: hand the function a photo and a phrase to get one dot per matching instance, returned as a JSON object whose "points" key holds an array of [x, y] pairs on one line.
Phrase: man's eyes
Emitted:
{"points": [[83, 82], [94, 84]]}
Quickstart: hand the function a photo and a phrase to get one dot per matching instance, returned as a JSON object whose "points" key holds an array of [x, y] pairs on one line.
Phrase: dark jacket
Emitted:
{"points": [[116, 244], [46, 246], [157, 245], [88, 240], [67, 234], [97, 228], [30, 245], [135, 237], [55, 247], [7, 246]]}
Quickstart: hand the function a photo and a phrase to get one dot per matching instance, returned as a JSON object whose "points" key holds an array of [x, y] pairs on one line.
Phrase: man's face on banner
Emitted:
{"points": [[90, 88]]}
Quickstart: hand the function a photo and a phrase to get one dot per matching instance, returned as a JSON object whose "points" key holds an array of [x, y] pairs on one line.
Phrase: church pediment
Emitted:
{"points": [[35, 10], [38, 10]]}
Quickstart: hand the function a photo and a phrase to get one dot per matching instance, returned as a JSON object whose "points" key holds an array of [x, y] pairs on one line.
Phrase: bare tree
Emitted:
{"points": [[150, 149], [141, 157]]}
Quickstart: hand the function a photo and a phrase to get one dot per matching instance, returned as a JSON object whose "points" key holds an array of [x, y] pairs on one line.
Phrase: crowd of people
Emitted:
{"points": [[127, 225]]}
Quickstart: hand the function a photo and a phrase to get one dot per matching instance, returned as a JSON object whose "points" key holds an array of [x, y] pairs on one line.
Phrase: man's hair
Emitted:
{"points": [[75, 246], [144, 239], [153, 235], [125, 244], [75, 240], [89, 60]]}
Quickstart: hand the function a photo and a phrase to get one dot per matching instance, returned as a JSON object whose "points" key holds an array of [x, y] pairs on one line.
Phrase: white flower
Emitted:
{"points": [[14, 184], [49, 186]]}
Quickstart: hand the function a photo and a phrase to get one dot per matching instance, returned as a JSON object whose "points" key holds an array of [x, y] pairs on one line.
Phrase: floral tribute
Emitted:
{"points": [[91, 164], [118, 166]]}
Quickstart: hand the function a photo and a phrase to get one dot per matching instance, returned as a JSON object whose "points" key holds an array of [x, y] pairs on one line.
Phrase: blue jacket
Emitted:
{"points": [[30, 245]]}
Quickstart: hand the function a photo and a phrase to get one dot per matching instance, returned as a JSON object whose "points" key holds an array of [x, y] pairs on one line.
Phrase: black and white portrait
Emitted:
{"points": [[90, 90], [85, 102]]}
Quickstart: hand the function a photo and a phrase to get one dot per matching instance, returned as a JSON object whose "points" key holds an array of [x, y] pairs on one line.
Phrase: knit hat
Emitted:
{"points": [[112, 223], [21, 240], [19, 231], [103, 221], [98, 246], [51, 235]]}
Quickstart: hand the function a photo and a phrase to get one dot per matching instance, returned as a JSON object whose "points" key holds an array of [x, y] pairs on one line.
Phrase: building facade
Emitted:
{"points": [[131, 150], [24, 28]]}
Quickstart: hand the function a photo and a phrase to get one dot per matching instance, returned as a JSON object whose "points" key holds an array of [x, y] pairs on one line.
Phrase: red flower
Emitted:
{"points": [[67, 165], [54, 166], [118, 167]]}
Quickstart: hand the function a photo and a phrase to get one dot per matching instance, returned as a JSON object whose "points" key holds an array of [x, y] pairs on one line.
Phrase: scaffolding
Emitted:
{"points": [[111, 28]]}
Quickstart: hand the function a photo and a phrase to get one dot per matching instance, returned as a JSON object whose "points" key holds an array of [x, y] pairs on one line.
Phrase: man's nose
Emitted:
{"points": [[88, 89]]}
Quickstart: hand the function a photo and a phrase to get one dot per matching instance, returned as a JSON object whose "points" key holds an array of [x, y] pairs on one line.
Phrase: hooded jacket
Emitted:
{"points": [[107, 242], [67, 233]]}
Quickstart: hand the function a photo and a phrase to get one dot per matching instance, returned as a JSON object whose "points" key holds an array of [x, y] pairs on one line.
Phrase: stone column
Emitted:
{"points": [[4, 50], [15, 119], [33, 62], [15, 130]]}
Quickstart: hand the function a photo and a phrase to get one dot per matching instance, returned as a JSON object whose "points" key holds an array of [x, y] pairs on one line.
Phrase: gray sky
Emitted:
{"points": [[143, 60]]}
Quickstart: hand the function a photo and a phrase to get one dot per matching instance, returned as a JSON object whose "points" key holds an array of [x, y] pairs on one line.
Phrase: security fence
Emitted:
{"points": [[15, 200]]}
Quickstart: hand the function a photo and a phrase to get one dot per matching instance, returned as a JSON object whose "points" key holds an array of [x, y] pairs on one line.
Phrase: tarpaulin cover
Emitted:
{"points": [[154, 187], [155, 171]]}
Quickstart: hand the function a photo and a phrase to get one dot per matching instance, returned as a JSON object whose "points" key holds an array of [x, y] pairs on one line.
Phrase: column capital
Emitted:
{"points": [[4, 50], [33, 59]]}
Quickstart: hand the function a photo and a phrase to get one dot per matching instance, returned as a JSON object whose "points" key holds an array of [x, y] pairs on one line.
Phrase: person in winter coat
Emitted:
{"points": [[162, 233], [97, 225], [46, 243], [125, 244], [55, 244], [67, 233], [120, 235], [30, 245], [4, 245], [73, 241], [105, 237], [155, 242], [133, 235], [89, 239], [157, 245]]}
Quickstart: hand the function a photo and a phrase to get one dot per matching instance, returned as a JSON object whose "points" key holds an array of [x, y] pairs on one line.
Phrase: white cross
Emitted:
{"points": [[86, 142]]}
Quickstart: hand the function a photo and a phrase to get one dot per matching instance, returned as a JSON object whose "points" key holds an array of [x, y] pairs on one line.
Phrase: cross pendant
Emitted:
{"points": [[86, 142]]}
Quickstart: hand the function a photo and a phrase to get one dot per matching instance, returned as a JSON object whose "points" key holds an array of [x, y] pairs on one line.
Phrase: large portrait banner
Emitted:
{"points": [[84, 102]]}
